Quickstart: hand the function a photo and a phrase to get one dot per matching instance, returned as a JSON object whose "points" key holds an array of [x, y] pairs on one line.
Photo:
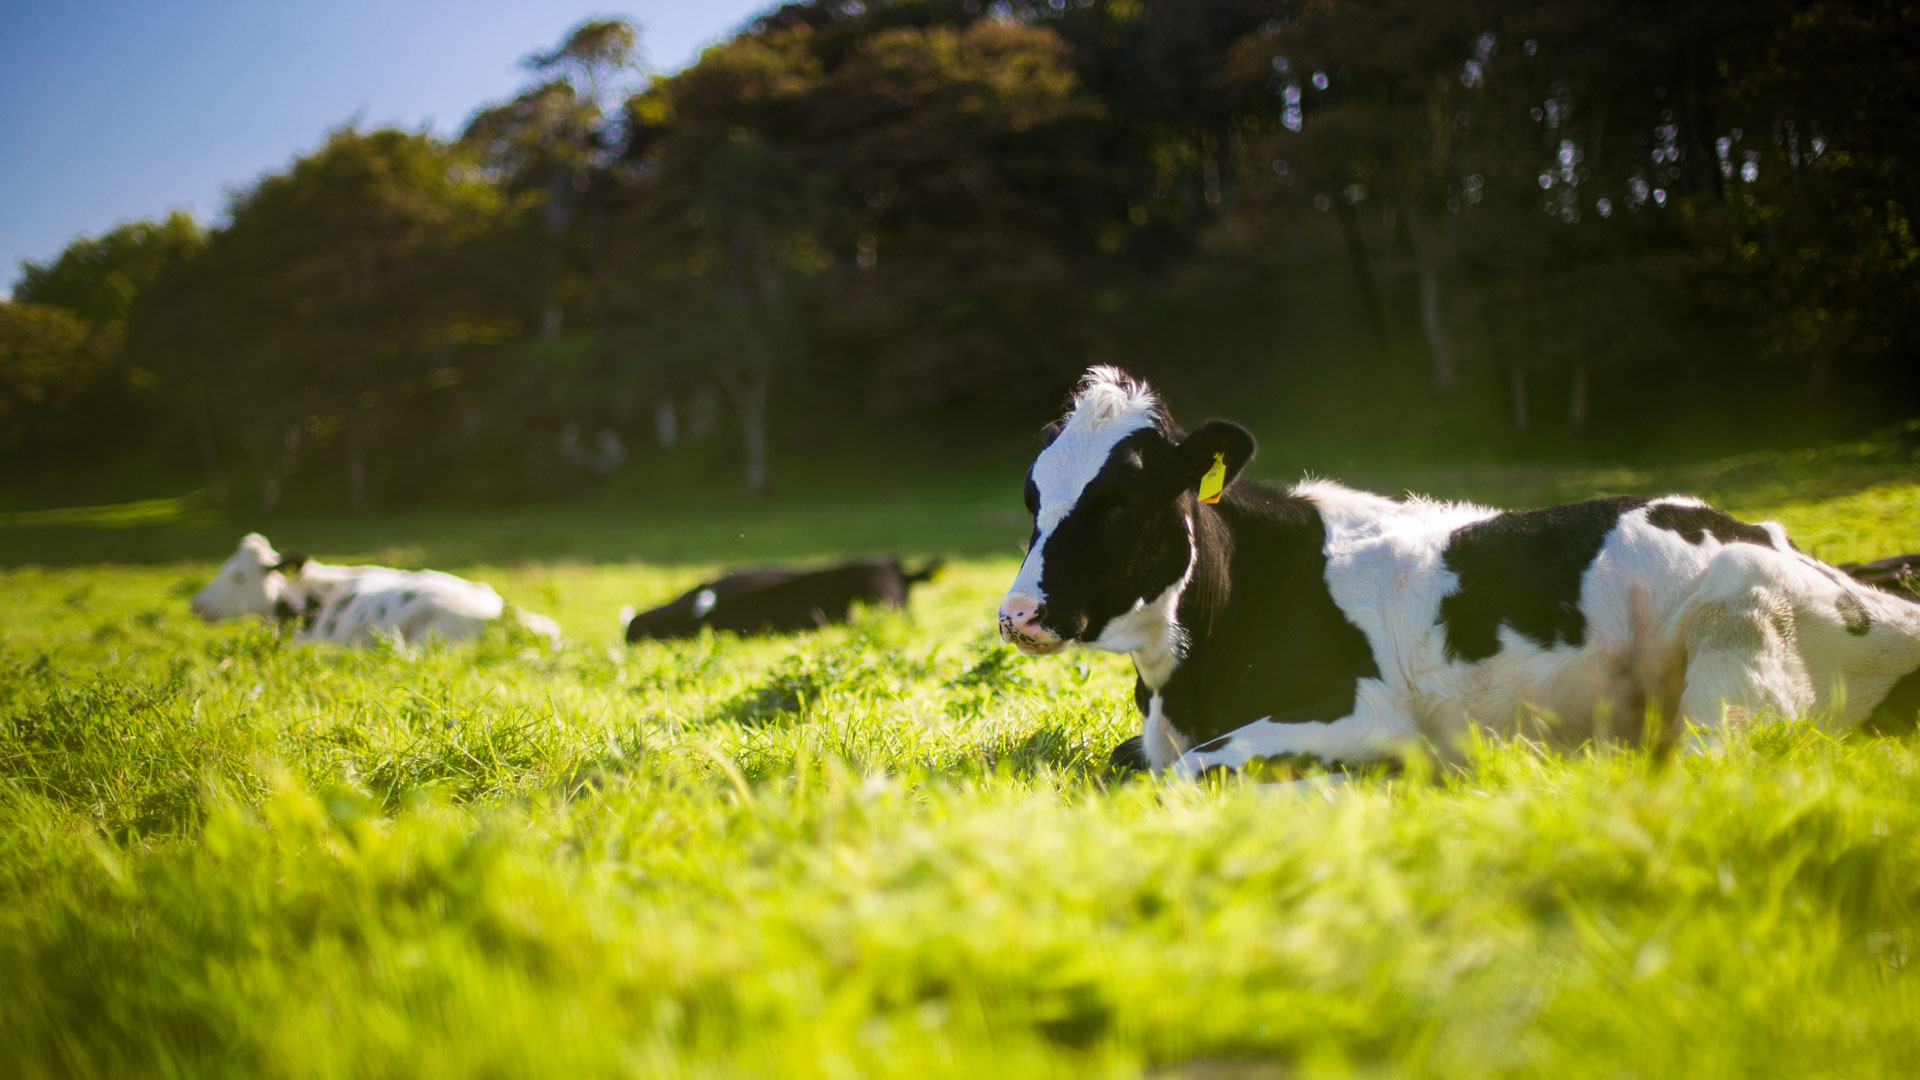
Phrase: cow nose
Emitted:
{"points": [[1020, 616]]}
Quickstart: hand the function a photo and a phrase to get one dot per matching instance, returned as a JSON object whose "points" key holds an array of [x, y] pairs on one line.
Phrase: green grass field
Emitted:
{"points": [[883, 849]]}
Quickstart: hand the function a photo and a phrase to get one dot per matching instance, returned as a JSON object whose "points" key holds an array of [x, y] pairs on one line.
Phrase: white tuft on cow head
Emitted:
{"points": [[1113, 496], [251, 582]]}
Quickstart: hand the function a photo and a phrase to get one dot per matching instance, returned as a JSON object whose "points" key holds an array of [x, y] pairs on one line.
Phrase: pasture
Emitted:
{"points": [[888, 848]]}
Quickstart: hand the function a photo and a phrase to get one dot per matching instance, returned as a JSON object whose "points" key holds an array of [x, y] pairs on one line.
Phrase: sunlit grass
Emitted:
{"points": [[886, 849]]}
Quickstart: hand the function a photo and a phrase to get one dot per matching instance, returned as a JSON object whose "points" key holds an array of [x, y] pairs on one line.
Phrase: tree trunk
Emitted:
{"points": [[356, 474], [1517, 378], [601, 244], [209, 458], [666, 424], [753, 423], [748, 389], [1363, 274], [559, 190], [1422, 244], [1577, 406], [1445, 376], [358, 435]]}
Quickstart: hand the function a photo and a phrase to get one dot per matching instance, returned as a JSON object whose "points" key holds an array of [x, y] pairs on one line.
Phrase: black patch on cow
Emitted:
{"points": [[1212, 745], [407, 595], [775, 600], [1696, 523], [1523, 569], [1265, 639], [1129, 757], [1853, 614]]}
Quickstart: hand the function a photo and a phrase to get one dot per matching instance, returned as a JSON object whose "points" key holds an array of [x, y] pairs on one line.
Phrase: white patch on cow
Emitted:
{"points": [[1159, 739], [1107, 408], [411, 606], [703, 602], [1375, 729]]}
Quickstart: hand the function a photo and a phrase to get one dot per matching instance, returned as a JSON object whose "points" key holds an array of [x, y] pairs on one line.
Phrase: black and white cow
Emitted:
{"points": [[1322, 623], [779, 600], [353, 605]]}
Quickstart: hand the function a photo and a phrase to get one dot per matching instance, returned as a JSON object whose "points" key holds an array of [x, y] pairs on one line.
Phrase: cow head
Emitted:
{"points": [[1113, 496], [252, 581]]}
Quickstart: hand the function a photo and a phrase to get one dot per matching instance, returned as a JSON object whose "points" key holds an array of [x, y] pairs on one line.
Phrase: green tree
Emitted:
{"points": [[335, 301], [50, 361], [555, 143], [100, 278], [945, 229], [99, 395]]}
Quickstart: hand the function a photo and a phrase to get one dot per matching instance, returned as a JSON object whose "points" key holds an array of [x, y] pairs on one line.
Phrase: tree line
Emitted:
{"points": [[1514, 216]]}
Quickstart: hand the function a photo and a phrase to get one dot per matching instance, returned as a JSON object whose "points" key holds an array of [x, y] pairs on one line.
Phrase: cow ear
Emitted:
{"points": [[1221, 441], [1051, 432], [291, 563]]}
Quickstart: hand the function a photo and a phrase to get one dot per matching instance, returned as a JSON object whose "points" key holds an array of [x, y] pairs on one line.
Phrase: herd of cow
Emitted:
{"points": [[359, 605], [1313, 623]]}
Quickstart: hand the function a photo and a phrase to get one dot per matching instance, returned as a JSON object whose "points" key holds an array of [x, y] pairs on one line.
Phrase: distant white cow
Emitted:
{"points": [[353, 605]]}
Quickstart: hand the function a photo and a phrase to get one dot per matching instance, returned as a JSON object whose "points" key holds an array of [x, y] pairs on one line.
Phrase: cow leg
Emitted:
{"points": [[1371, 733]]}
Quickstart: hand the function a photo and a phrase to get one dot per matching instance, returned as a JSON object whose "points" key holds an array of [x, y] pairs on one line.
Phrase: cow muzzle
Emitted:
{"points": [[1020, 616]]}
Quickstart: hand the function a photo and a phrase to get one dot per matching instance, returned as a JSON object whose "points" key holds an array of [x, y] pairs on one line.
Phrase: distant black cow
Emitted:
{"points": [[777, 600], [1894, 573]]}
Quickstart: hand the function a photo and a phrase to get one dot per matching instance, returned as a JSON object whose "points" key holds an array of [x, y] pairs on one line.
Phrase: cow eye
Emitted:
{"points": [[239, 577]]}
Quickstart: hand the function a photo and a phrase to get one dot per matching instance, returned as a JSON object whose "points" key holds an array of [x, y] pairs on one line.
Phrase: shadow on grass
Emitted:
{"points": [[793, 528], [955, 514]]}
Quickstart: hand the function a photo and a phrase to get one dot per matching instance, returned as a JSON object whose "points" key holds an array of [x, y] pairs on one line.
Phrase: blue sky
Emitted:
{"points": [[112, 110]]}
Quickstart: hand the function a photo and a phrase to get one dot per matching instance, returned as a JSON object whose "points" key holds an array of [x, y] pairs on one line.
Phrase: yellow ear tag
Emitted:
{"points": [[1215, 480]]}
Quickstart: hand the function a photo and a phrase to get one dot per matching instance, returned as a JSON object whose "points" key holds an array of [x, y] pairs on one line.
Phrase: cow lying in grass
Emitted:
{"points": [[1321, 624], [353, 605], [778, 600]]}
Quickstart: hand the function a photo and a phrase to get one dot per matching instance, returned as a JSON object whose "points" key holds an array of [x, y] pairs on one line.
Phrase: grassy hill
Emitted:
{"points": [[881, 849]]}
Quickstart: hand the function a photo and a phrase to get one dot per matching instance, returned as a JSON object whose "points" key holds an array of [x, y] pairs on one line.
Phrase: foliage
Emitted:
{"points": [[99, 278], [336, 303], [224, 855], [1505, 221], [49, 360], [66, 378]]}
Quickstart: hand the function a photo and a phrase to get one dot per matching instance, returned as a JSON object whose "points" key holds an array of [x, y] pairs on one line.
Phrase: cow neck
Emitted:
{"points": [[1209, 591], [1194, 593], [1249, 550]]}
